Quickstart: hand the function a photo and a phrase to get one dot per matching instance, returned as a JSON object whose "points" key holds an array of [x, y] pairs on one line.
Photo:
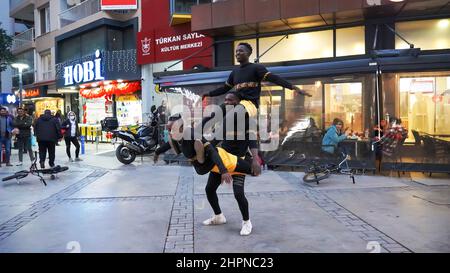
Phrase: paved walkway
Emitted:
{"points": [[100, 205]]}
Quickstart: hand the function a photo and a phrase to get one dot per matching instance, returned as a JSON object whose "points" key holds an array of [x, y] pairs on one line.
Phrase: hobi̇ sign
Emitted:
{"points": [[85, 72]]}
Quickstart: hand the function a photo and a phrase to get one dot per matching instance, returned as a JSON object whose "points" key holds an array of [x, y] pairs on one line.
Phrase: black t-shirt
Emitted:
{"points": [[246, 79]]}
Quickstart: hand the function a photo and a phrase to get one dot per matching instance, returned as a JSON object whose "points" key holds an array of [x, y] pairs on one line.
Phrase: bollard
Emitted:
{"points": [[82, 140]]}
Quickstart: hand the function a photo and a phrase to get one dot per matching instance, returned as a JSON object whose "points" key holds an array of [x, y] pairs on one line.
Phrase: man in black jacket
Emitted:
{"points": [[23, 122], [48, 132]]}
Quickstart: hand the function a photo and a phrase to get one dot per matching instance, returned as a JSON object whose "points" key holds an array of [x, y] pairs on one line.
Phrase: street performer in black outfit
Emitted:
{"points": [[246, 80], [240, 148]]}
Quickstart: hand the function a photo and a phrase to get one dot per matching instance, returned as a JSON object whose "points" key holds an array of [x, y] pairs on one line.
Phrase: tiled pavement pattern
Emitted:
{"points": [[40, 207], [357, 225], [180, 236]]}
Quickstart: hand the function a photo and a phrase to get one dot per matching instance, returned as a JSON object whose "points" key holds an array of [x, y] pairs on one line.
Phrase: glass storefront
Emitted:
{"points": [[304, 120], [422, 101]]}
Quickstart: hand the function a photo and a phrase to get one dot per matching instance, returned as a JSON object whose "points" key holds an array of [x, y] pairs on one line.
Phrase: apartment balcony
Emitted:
{"points": [[78, 12], [180, 10], [22, 9], [23, 41]]}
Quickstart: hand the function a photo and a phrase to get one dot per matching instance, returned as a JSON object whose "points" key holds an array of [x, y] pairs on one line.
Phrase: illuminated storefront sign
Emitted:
{"points": [[85, 72]]}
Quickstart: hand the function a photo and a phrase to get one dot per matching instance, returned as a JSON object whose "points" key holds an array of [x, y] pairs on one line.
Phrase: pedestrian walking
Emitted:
{"points": [[71, 134], [48, 132], [23, 123], [6, 130]]}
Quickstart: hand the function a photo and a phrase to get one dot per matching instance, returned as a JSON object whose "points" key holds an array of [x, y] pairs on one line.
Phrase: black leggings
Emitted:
{"points": [[74, 140], [214, 181]]}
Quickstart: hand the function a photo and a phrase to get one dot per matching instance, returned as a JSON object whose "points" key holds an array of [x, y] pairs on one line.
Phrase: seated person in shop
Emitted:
{"points": [[333, 137], [312, 132], [394, 136], [204, 157]]}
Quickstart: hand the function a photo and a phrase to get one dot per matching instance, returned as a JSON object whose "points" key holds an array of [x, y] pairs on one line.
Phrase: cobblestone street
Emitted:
{"points": [[100, 205]]}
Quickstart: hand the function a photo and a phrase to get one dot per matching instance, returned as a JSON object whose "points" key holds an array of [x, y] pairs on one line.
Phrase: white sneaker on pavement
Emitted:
{"points": [[215, 220], [19, 164], [246, 228]]}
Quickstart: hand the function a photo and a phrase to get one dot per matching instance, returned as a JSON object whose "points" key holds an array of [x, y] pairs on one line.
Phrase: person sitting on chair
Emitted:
{"points": [[334, 136]]}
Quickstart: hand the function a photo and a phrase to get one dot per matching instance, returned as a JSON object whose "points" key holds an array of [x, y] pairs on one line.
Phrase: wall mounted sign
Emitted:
{"points": [[118, 4], [85, 72]]}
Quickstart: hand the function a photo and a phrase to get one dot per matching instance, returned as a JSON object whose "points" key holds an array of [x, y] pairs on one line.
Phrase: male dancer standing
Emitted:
{"points": [[239, 148]]}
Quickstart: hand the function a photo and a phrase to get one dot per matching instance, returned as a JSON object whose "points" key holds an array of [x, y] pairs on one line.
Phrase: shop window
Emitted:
{"points": [[350, 41], [115, 39], [69, 49], [129, 109], [344, 101], [300, 46], [252, 42], [425, 34], [425, 104], [93, 40]]}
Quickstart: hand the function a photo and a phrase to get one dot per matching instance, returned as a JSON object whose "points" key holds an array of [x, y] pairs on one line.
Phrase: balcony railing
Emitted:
{"points": [[23, 40], [79, 12], [15, 3]]}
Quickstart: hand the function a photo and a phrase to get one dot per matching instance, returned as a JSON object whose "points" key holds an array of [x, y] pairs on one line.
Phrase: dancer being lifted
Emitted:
{"points": [[204, 157]]}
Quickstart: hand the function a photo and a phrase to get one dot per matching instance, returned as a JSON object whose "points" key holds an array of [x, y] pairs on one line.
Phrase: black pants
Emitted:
{"points": [[24, 145], [45, 146], [74, 140], [214, 181]]}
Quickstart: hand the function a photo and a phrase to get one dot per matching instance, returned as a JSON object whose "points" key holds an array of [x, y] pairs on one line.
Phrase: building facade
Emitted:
{"points": [[364, 61], [82, 58]]}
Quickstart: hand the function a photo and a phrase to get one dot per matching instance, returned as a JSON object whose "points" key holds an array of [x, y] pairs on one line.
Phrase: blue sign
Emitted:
{"points": [[8, 99]]}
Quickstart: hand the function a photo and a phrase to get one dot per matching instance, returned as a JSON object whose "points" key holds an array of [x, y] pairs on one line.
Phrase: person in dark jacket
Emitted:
{"points": [[23, 122], [48, 132], [6, 131], [71, 134]]}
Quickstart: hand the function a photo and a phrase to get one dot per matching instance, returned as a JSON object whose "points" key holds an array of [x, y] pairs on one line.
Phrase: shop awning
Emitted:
{"points": [[294, 71], [326, 69]]}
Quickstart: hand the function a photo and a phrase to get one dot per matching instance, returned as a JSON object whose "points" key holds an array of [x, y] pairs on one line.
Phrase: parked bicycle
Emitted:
{"points": [[37, 172], [316, 172]]}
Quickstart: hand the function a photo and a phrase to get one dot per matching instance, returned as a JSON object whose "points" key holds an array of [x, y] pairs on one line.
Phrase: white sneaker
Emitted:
{"points": [[215, 220], [19, 164], [246, 228]]}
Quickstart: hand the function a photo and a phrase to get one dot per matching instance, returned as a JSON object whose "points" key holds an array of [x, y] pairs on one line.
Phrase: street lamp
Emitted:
{"points": [[20, 67]]}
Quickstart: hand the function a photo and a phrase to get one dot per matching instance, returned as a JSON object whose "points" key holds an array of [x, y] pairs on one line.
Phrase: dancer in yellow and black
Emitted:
{"points": [[204, 157]]}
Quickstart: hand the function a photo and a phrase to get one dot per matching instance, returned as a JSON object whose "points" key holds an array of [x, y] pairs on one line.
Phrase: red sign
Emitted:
{"points": [[31, 93], [168, 45], [118, 4]]}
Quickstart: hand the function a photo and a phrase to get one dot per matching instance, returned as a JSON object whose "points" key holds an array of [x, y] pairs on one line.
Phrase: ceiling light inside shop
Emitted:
{"points": [[72, 87], [444, 23], [106, 82], [94, 85], [119, 80], [397, 1], [82, 86]]}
